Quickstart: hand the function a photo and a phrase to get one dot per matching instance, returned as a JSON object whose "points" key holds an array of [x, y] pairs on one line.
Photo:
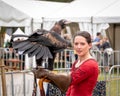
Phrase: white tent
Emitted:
{"points": [[10, 16], [30, 10], [110, 14], [18, 32], [82, 11]]}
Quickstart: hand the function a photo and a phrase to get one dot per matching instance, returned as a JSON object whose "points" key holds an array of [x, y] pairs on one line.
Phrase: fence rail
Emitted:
{"points": [[12, 59]]}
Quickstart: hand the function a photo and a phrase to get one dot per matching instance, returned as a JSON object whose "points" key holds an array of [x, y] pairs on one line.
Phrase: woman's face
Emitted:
{"points": [[81, 46]]}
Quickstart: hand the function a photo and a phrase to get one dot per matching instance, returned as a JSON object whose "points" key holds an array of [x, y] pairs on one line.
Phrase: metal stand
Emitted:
{"points": [[3, 78]]}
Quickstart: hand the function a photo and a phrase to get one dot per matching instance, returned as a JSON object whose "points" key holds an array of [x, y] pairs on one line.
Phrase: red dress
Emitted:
{"points": [[84, 78]]}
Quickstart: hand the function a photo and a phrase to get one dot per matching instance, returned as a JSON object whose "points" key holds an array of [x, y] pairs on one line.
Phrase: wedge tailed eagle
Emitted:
{"points": [[43, 44]]}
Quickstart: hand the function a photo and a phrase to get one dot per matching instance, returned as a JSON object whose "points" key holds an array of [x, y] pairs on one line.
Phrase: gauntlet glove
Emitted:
{"points": [[60, 80]]}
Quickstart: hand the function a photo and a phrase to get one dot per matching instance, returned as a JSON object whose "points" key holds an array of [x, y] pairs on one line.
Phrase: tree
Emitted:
{"points": [[60, 0]]}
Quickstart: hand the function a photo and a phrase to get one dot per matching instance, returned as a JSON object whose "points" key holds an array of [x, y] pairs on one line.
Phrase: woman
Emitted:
{"points": [[84, 73]]}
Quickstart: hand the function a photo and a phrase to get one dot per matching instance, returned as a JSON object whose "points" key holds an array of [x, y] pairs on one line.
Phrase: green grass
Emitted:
{"points": [[112, 84]]}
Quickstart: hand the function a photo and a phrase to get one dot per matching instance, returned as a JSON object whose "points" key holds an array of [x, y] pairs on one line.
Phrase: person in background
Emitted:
{"points": [[105, 47], [84, 72], [97, 40], [104, 43], [76, 56], [7, 44]]}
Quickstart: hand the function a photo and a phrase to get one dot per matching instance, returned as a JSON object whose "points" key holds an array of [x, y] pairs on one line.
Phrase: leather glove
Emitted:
{"points": [[60, 80], [40, 72]]}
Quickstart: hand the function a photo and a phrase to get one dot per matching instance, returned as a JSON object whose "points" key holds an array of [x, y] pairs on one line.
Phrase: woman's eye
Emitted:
{"points": [[76, 43], [82, 43]]}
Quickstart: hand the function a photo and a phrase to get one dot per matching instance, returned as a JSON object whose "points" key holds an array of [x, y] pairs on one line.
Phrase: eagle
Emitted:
{"points": [[43, 44]]}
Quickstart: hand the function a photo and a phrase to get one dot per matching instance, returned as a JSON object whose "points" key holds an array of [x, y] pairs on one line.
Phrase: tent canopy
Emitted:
{"points": [[18, 32], [35, 9], [10, 16], [16, 11], [110, 14], [81, 10]]}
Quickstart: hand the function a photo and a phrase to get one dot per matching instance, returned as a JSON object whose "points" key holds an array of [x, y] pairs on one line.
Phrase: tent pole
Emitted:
{"points": [[92, 25], [42, 23], [4, 89]]}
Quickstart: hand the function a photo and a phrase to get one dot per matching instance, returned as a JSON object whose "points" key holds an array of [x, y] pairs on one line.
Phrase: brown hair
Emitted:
{"points": [[98, 33], [84, 34]]}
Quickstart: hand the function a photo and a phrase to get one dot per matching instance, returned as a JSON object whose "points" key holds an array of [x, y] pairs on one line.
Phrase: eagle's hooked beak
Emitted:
{"points": [[63, 23]]}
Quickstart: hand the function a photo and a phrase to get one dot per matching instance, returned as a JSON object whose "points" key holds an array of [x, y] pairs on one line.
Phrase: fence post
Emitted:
{"points": [[4, 90]]}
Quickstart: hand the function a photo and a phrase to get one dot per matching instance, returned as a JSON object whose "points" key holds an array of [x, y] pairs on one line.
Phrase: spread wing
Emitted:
{"points": [[40, 44]]}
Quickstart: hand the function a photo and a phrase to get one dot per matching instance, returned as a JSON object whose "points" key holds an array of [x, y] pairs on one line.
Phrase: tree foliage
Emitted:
{"points": [[59, 0]]}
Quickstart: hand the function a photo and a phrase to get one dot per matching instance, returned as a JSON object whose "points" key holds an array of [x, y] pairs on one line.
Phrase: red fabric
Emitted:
{"points": [[84, 78]]}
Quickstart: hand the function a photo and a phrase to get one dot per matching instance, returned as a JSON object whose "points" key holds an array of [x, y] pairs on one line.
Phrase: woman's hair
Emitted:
{"points": [[84, 34]]}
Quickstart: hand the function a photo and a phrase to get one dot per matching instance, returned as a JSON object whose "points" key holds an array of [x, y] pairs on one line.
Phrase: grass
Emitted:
{"points": [[112, 83]]}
